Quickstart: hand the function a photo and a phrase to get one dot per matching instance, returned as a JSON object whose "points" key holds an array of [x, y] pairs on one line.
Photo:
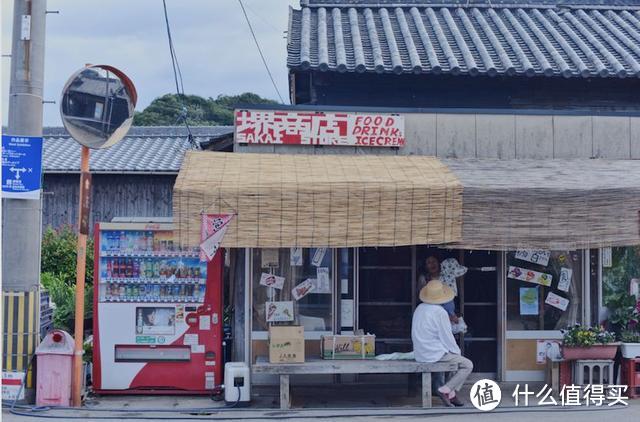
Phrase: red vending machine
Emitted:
{"points": [[157, 320]]}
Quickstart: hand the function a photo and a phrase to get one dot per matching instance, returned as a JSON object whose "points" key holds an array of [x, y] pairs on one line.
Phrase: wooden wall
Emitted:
{"points": [[112, 196], [461, 91], [501, 136]]}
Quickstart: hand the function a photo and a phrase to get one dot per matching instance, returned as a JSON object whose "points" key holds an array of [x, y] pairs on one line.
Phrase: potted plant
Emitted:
{"points": [[581, 342], [630, 346], [624, 315]]}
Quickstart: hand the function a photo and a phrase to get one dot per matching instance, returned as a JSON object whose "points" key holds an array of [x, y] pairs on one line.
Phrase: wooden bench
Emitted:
{"points": [[321, 366]]}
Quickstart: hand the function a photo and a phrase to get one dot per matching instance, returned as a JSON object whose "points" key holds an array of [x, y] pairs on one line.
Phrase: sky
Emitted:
{"points": [[214, 46]]}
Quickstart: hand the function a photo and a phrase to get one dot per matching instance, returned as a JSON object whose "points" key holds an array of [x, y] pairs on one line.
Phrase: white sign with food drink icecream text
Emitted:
{"points": [[283, 127]]}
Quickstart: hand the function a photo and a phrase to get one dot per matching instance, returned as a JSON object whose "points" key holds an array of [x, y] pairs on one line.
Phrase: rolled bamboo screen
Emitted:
{"points": [[549, 204], [319, 200]]}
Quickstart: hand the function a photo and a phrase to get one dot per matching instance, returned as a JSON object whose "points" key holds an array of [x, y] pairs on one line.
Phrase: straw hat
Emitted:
{"points": [[436, 293]]}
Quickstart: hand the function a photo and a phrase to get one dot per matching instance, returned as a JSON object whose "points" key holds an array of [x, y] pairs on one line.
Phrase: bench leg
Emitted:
{"points": [[285, 398], [426, 389]]}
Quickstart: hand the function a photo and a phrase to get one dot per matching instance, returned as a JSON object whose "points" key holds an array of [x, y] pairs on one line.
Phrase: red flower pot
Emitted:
{"points": [[597, 351]]}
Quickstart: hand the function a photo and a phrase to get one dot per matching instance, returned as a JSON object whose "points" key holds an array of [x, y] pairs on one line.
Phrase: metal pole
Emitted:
{"points": [[21, 219], [83, 230]]}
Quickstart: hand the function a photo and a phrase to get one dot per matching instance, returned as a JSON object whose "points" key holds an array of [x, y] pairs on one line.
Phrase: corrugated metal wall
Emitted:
{"points": [[112, 196]]}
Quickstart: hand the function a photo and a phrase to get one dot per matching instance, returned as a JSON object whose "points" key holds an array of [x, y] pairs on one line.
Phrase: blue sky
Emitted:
{"points": [[214, 46]]}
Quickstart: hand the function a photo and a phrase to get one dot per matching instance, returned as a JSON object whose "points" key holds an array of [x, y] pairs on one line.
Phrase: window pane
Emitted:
{"points": [[534, 306], [625, 266], [313, 310]]}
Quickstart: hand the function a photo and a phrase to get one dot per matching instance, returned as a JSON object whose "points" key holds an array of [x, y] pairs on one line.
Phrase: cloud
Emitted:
{"points": [[216, 52]]}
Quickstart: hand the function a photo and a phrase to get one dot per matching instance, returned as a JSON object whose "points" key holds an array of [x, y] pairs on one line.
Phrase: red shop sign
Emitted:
{"points": [[319, 128]]}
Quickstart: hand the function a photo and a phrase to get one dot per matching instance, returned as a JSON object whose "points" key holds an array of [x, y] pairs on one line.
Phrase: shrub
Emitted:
{"points": [[59, 275], [63, 297], [59, 254]]}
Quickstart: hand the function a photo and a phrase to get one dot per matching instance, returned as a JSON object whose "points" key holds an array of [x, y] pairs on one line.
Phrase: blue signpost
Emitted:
{"points": [[21, 166]]}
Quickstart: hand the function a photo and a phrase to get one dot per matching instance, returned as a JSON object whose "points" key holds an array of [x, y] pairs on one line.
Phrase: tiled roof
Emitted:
{"points": [[145, 149], [571, 38]]}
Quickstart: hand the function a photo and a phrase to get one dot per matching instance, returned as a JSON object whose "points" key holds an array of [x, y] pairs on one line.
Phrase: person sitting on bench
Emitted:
{"points": [[433, 340]]}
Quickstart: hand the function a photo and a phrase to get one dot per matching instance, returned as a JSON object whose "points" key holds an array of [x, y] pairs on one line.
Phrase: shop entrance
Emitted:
{"points": [[388, 284]]}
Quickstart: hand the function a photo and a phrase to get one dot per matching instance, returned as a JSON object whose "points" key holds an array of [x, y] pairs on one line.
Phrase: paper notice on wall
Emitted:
{"points": [[269, 257], [279, 311], [535, 256], [271, 280], [531, 276], [606, 258], [295, 257], [547, 349], [323, 281], [529, 303], [346, 313], [557, 301], [318, 256], [190, 339], [197, 348], [565, 279], [344, 286], [303, 289]]}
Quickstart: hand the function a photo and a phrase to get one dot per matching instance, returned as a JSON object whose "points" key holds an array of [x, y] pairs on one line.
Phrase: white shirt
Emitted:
{"points": [[431, 333]]}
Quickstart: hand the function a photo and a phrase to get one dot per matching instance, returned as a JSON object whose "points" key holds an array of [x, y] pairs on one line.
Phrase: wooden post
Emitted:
{"points": [[81, 259]]}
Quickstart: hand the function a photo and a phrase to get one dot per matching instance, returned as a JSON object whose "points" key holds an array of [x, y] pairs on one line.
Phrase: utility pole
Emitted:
{"points": [[22, 218]]}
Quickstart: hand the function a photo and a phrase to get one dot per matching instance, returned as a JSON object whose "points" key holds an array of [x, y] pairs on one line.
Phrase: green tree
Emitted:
{"points": [[170, 109]]}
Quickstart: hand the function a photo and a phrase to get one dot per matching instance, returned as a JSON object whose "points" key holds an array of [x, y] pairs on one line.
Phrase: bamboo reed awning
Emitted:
{"points": [[319, 200], [549, 204]]}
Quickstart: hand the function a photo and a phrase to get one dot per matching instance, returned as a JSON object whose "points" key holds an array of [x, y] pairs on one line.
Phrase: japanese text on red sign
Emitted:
{"points": [[310, 128]]}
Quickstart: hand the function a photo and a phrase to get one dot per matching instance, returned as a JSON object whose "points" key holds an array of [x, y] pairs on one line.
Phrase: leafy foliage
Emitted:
{"points": [[169, 109], [582, 336], [63, 295], [59, 275], [59, 254]]}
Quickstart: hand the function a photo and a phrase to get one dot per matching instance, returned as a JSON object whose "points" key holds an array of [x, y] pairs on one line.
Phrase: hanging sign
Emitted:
{"points": [[323, 281], [557, 301], [606, 258], [21, 166], [212, 231], [534, 256], [279, 311], [319, 128], [270, 280], [303, 289], [318, 256], [295, 257], [528, 300], [565, 279], [531, 276]]}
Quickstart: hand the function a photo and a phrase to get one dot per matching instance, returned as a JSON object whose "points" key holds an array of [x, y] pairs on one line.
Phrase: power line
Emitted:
{"points": [[264, 61], [177, 76]]}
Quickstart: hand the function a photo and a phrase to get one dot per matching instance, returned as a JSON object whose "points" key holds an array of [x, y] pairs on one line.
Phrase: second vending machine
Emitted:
{"points": [[157, 313]]}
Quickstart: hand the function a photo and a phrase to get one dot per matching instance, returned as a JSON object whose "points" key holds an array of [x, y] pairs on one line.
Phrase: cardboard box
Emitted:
{"points": [[348, 347], [286, 344]]}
